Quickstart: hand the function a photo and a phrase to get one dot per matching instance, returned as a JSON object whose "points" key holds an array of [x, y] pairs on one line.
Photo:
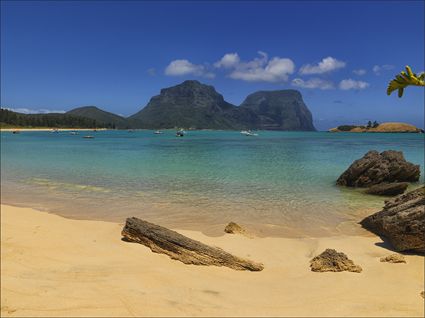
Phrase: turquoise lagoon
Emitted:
{"points": [[279, 183]]}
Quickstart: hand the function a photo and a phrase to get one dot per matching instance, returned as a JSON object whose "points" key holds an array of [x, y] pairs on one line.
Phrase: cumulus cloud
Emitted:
{"points": [[34, 111], [348, 84], [260, 69], [326, 65], [184, 67], [313, 83], [228, 60], [359, 72], [377, 69]]}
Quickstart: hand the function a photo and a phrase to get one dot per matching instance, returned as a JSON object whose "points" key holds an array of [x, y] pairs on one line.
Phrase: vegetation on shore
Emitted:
{"points": [[10, 119]]}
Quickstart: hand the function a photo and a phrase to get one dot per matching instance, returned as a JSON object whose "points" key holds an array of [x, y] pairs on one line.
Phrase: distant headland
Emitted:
{"points": [[390, 127]]}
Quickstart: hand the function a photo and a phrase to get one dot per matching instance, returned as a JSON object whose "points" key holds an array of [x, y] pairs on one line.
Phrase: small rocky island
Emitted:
{"points": [[390, 127]]}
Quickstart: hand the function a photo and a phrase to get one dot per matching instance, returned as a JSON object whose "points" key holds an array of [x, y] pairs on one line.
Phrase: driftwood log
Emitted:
{"points": [[179, 247]]}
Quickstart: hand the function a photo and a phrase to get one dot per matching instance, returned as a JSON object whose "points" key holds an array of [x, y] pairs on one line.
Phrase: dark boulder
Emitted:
{"points": [[402, 221], [375, 168], [389, 189]]}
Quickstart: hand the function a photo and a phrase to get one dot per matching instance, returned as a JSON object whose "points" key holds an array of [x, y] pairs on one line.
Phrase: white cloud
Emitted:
{"points": [[359, 72], [348, 84], [313, 83], [184, 67], [34, 111], [328, 64], [228, 60], [261, 69], [377, 69]]}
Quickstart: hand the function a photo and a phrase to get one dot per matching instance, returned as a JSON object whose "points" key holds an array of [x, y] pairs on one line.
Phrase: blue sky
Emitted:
{"points": [[57, 55]]}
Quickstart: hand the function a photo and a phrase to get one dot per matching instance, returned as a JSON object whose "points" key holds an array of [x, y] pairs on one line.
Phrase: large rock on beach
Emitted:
{"points": [[332, 261], [388, 189], [402, 221], [375, 168]]}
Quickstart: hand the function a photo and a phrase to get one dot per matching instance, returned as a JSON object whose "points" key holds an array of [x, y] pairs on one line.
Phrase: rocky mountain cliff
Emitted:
{"points": [[195, 105], [279, 110], [189, 105]]}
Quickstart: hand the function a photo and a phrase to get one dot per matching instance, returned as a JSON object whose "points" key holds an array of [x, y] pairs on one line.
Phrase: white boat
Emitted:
{"points": [[88, 137], [74, 133], [248, 133], [180, 133], [158, 132]]}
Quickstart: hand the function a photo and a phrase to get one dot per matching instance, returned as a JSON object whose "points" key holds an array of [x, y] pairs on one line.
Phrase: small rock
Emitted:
{"points": [[394, 258], [332, 261], [389, 189], [234, 228]]}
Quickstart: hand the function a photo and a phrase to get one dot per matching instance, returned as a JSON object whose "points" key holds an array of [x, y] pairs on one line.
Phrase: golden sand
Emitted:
{"points": [[52, 266]]}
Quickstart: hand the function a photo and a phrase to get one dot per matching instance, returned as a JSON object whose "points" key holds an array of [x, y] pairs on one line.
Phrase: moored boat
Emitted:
{"points": [[248, 133], [180, 133]]}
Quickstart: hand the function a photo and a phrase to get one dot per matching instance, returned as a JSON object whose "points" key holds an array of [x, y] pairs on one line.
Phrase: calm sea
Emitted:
{"points": [[278, 183]]}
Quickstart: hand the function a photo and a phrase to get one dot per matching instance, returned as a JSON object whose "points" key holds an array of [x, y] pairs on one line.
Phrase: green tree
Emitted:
{"points": [[369, 124]]}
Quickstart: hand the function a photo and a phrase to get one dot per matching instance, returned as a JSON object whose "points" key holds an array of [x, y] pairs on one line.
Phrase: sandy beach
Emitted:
{"points": [[52, 266]]}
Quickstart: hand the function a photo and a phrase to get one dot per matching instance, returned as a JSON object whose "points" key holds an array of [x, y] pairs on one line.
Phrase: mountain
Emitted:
{"points": [[195, 105], [99, 115], [279, 110], [189, 105]]}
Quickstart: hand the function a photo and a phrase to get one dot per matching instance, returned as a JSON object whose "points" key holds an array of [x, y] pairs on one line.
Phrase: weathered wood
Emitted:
{"points": [[179, 247]]}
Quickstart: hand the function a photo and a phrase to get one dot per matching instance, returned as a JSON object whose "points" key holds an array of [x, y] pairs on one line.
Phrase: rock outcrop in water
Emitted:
{"points": [[192, 104], [388, 189], [402, 221], [332, 261], [375, 168], [179, 247]]}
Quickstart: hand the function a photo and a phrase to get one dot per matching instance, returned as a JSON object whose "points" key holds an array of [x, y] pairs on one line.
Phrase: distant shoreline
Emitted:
{"points": [[51, 129]]}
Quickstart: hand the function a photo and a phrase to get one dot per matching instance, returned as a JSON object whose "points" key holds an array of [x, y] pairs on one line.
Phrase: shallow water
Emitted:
{"points": [[279, 183]]}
